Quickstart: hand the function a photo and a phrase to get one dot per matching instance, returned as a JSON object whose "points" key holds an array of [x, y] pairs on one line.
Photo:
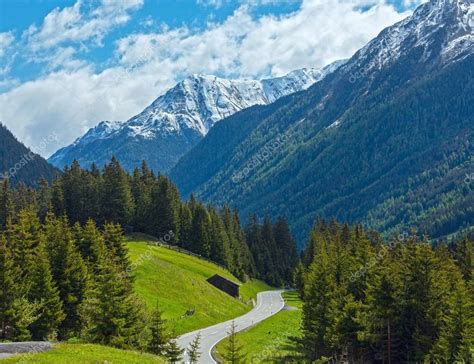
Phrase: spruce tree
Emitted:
{"points": [[44, 205], [173, 352], [8, 290], [201, 243], [159, 333], [318, 307], [6, 205], [73, 192], [234, 351], [114, 241], [193, 350], [109, 313], [69, 272], [117, 203], [44, 292], [165, 209]]}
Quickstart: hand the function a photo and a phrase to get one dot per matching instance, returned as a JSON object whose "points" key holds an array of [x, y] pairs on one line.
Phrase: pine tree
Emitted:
{"points": [[319, 304], [286, 246], [23, 238], [165, 208], [92, 185], [8, 290], [44, 199], [44, 292], [233, 352], [57, 197], [173, 352], [159, 334], [193, 350], [69, 272], [6, 205], [73, 192], [90, 243], [299, 278], [115, 244], [220, 246], [185, 226], [201, 243], [117, 203], [109, 313]]}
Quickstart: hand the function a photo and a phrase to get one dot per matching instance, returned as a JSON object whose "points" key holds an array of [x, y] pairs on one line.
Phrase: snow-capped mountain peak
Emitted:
{"points": [[187, 111], [438, 27]]}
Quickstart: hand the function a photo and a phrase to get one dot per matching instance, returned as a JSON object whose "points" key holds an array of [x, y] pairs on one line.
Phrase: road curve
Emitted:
{"points": [[268, 304]]}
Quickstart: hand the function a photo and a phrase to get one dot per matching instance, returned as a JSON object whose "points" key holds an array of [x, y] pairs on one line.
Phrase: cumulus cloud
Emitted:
{"points": [[6, 40], [80, 22], [69, 101]]}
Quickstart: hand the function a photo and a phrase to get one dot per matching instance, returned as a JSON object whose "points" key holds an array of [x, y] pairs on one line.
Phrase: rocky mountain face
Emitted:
{"points": [[179, 119], [386, 139]]}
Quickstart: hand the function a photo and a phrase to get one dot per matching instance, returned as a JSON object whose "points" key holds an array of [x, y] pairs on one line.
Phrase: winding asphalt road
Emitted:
{"points": [[268, 304]]}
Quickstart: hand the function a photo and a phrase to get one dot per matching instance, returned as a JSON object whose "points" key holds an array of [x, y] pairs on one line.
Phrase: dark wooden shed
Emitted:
{"points": [[225, 285]]}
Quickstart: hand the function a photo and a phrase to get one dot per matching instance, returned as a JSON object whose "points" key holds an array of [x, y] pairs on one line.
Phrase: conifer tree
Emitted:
{"points": [[57, 197], [286, 247], [201, 243], [193, 350], [173, 352], [23, 238], [44, 199], [114, 241], [44, 292], [159, 333], [318, 308], [185, 226], [8, 290], [73, 192], [165, 208], [109, 313], [233, 353], [90, 243], [69, 272], [92, 185], [117, 203]]}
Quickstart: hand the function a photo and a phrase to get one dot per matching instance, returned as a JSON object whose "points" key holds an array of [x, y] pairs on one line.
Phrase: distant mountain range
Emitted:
{"points": [[386, 139], [18, 163], [176, 121]]}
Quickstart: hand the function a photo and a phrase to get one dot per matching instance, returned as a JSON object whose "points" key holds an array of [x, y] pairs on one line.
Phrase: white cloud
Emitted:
{"points": [[80, 22], [6, 40], [320, 32], [68, 102]]}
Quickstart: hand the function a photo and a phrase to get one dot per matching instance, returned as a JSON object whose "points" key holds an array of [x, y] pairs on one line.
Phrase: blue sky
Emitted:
{"points": [[65, 65]]}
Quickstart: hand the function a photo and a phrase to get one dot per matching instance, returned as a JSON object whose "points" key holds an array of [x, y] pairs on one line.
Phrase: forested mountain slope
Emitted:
{"points": [[385, 140], [18, 163]]}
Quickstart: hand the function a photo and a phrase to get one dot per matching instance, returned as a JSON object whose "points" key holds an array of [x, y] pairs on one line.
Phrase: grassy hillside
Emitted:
{"points": [[85, 354], [268, 341], [177, 282]]}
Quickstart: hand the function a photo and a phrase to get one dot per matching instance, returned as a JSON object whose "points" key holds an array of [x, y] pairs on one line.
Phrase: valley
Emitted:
{"points": [[271, 182]]}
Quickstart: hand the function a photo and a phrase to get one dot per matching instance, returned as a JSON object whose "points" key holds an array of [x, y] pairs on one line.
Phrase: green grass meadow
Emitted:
{"points": [[176, 282], [85, 354], [268, 342]]}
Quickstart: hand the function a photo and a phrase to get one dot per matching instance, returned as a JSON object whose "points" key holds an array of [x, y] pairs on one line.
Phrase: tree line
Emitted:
{"points": [[63, 282], [369, 300], [151, 204]]}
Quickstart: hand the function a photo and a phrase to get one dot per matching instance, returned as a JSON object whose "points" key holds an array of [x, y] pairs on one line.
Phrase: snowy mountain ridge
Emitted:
{"points": [[191, 108], [445, 25]]}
